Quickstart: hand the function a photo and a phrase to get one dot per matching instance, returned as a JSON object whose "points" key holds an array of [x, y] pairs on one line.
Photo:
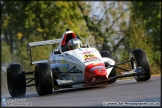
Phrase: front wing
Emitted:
{"points": [[134, 72]]}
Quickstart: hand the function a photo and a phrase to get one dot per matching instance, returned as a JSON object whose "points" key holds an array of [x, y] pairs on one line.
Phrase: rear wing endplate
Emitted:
{"points": [[40, 43]]}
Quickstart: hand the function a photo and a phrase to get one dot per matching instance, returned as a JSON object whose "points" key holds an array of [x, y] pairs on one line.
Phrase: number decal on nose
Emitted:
{"points": [[89, 56]]}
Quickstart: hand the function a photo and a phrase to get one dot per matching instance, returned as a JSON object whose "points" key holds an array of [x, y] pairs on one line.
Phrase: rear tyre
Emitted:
{"points": [[43, 79], [139, 59], [16, 80], [113, 72]]}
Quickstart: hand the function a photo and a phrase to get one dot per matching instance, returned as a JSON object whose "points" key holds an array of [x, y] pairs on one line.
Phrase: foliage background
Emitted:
{"points": [[120, 26]]}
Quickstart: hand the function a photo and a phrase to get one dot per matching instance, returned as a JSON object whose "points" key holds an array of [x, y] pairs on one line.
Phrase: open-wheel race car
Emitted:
{"points": [[81, 66]]}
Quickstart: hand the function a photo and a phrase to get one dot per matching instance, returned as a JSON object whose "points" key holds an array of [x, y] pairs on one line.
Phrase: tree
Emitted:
{"points": [[144, 31], [29, 21], [124, 26], [108, 25]]}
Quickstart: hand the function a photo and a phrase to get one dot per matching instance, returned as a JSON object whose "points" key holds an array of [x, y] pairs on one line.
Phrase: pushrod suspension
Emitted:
{"points": [[116, 66], [30, 80], [67, 72]]}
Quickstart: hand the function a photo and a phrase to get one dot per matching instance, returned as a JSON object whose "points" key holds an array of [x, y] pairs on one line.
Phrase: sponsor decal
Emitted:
{"points": [[99, 70], [86, 52], [97, 67], [66, 81], [90, 57]]}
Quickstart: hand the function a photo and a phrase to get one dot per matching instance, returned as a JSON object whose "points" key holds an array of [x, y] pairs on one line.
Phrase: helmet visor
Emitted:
{"points": [[76, 46]]}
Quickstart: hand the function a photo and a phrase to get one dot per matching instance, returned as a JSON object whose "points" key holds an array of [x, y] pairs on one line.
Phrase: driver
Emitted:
{"points": [[74, 44]]}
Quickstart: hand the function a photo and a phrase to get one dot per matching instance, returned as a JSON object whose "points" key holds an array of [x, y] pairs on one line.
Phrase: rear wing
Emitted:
{"points": [[40, 43]]}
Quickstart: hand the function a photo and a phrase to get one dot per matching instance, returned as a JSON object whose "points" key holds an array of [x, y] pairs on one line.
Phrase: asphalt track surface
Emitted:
{"points": [[121, 91]]}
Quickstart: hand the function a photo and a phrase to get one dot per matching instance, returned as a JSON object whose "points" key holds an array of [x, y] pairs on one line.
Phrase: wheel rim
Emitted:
{"points": [[134, 65]]}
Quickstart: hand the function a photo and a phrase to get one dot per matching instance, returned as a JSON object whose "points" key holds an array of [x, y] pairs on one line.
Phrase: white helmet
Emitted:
{"points": [[74, 44]]}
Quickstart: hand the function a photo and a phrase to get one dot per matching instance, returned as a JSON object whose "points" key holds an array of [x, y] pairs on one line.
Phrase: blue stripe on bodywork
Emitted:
{"points": [[96, 67]]}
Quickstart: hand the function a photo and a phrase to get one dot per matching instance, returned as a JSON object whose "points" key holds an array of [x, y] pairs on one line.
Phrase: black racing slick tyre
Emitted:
{"points": [[16, 80], [113, 72], [139, 59], [43, 79]]}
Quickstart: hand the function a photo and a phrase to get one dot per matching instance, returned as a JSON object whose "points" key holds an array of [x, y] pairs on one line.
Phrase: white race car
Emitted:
{"points": [[71, 68]]}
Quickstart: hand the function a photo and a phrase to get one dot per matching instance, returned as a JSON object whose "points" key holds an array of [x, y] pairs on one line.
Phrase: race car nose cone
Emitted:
{"points": [[97, 69], [94, 70]]}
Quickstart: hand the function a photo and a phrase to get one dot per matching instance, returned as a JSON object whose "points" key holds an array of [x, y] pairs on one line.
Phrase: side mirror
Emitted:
{"points": [[58, 52]]}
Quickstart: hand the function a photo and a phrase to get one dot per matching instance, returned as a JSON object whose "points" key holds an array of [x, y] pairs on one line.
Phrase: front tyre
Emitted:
{"points": [[16, 80], [43, 79], [139, 59]]}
